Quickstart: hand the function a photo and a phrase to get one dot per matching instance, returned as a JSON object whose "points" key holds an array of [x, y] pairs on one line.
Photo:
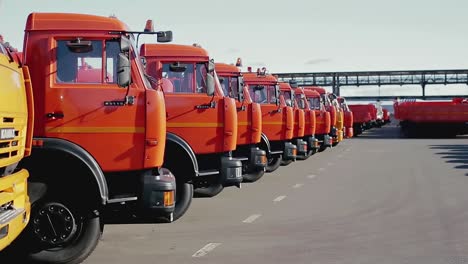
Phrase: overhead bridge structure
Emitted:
{"points": [[381, 78]]}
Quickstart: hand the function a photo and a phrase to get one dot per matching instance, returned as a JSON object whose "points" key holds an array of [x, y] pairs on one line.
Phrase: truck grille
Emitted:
{"points": [[12, 139]]}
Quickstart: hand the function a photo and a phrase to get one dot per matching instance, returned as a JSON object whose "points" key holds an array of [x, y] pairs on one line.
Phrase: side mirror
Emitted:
{"points": [[177, 67], [278, 94], [210, 84], [240, 91], [123, 71], [293, 83], [164, 36], [124, 44], [211, 66], [80, 46]]}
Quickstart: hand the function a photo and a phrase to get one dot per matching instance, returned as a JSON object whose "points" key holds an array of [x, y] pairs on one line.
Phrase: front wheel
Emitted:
{"points": [[59, 233], [273, 163], [286, 162], [183, 199], [253, 176], [210, 191]]}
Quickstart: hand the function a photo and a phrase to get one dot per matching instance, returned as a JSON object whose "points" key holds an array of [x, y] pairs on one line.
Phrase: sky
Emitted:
{"points": [[293, 35]]}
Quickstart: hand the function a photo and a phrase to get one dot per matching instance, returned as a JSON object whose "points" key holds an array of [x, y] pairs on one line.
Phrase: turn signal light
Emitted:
{"points": [[168, 198]]}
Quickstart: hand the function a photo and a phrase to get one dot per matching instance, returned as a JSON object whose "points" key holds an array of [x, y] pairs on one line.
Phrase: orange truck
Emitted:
{"points": [[322, 117], [348, 118], [202, 125], [249, 120], [336, 117], [98, 140], [310, 129], [277, 117], [299, 121]]}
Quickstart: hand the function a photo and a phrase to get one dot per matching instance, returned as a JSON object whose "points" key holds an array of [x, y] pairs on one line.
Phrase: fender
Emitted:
{"points": [[186, 147], [81, 154], [267, 142]]}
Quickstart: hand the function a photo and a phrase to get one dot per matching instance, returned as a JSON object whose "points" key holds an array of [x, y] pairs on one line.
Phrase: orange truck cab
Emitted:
{"points": [[348, 117], [201, 121], [299, 121], [249, 122], [336, 116], [324, 114], [277, 117], [310, 129], [98, 141]]}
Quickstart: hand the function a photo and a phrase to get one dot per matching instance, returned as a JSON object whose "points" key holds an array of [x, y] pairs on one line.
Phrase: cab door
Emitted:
{"points": [[85, 105], [190, 113]]}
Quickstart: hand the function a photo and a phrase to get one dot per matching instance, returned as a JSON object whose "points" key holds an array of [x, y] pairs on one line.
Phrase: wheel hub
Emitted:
{"points": [[54, 224]]}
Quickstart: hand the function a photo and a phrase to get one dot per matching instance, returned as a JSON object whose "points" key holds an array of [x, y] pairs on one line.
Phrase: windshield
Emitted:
{"points": [[300, 100], [287, 98], [314, 103]]}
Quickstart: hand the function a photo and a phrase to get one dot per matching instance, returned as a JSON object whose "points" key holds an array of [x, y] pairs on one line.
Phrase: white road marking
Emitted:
{"points": [[297, 185], [251, 218], [321, 169], [279, 198], [311, 176], [205, 250]]}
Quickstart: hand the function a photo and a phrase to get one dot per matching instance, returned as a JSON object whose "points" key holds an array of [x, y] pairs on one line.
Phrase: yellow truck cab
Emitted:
{"points": [[15, 143]]}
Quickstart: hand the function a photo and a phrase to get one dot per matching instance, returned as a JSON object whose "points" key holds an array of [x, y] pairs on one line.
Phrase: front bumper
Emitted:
{"points": [[290, 151]]}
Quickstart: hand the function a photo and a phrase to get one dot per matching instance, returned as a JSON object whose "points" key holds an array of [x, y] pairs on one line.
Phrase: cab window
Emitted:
{"points": [[87, 66], [180, 78]]}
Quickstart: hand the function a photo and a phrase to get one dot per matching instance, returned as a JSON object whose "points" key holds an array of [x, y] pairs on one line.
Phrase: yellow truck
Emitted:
{"points": [[16, 115]]}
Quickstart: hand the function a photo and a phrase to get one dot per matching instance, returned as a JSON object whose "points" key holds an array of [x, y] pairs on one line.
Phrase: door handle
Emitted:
{"points": [[206, 106], [55, 115]]}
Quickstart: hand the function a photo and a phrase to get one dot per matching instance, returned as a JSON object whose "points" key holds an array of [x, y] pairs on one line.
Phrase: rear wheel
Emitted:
{"points": [[286, 162]]}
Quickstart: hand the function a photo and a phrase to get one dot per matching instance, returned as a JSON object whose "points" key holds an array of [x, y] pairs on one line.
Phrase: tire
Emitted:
{"points": [[322, 148], [286, 162], [334, 144], [253, 176], [184, 195], [273, 163], [208, 192], [86, 232]]}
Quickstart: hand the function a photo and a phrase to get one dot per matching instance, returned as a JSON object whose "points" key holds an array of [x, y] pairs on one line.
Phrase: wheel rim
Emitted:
{"points": [[54, 224]]}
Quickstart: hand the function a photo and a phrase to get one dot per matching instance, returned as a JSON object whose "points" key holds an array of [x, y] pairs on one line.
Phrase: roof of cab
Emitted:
{"points": [[320, 90], [310, 93], [172, 50], [71, 21], [226, 68], [284, 86], [253, 77]]}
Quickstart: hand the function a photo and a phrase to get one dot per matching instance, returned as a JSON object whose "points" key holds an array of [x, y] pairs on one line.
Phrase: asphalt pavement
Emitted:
{"points": [[374, 199]]}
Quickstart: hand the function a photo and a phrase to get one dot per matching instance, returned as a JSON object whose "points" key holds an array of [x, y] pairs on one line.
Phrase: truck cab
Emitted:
{"points": [[99, 139], [310, 119], [277, 117], [202, 125], [336, 116], [249, 122], [323, 120], [299, 121], [348, 117], [16, 116]]}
